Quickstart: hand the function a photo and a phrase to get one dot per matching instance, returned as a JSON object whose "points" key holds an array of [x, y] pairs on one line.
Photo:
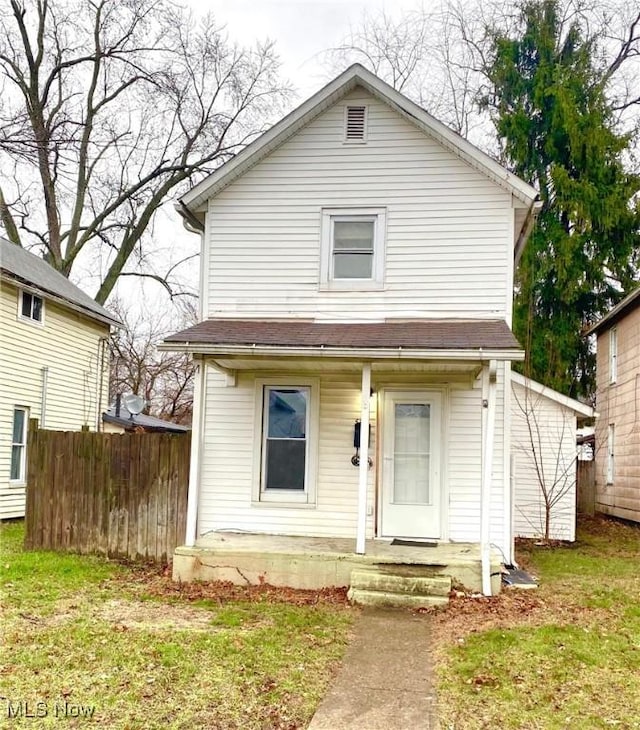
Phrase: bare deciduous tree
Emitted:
{"points": [[108, 107], [546, 447], [163, 379]]}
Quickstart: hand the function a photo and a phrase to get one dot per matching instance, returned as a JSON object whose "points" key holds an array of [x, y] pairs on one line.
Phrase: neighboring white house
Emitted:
{"points": [[544, 451], [357, 265], [54, 362]]}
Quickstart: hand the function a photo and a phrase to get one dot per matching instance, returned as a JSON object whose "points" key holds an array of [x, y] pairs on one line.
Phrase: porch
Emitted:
{"points": [[314, 563]]}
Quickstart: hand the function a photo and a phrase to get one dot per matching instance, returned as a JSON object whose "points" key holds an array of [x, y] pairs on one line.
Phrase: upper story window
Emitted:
{"points": [[353, 248], [613, 355], [355, 124], [31, 307]]}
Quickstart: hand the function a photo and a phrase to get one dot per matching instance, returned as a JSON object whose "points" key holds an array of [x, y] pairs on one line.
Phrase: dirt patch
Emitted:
{"points": [[148, 615]]}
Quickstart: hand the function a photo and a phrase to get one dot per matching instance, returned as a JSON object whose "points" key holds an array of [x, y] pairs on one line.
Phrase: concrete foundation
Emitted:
{"points": [[313, 563]]}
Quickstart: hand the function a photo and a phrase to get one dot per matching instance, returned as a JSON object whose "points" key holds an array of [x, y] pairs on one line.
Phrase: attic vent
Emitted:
{"points": [[355, 124]]}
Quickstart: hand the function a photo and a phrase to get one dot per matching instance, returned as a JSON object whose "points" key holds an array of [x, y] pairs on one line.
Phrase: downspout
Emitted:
{"points": [[43, 396], [363, 467], [193, 225], [102, 345], [488, 432], [197, 435]]}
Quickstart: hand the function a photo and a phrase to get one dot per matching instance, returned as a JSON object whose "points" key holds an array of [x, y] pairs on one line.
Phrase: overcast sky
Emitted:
{"points": [[302, 29]]}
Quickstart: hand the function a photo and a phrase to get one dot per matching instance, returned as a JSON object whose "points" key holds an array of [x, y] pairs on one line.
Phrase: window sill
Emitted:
{"points": [[18, 483], [286, 505], [30, 321], [347, 286]]}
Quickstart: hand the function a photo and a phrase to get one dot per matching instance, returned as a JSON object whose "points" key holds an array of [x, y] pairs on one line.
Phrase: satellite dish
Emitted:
{"points": [[133, 403]]}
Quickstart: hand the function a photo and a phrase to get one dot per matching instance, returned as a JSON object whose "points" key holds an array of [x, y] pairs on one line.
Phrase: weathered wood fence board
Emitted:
{"points": [[586, 487], [122, 495]]}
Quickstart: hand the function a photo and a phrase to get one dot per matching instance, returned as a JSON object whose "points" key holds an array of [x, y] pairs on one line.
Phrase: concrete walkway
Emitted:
{"points": [[385, 679]]}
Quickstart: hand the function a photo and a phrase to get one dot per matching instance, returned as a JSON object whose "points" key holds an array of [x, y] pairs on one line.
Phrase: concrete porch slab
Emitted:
{"points": [[314, 563]]}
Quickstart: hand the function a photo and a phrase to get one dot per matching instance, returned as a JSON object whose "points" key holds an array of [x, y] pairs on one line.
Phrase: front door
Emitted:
{"points": [[411, 481]]}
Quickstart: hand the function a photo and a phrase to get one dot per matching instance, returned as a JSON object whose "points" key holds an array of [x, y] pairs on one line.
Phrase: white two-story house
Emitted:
{"points": [[357, 277]]}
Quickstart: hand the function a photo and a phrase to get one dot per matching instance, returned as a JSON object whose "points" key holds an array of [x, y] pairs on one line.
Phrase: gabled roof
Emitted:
{"points": [[622, 308], [419, 338], [149, 423], [25, 269], [581, 409], [356, 75]]}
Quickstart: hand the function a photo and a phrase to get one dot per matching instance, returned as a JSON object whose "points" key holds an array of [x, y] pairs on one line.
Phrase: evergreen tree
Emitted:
{"points": [[558, 131]]}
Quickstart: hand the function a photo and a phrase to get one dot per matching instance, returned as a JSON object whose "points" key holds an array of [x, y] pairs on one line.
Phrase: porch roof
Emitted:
{"points": [[410, 338]]}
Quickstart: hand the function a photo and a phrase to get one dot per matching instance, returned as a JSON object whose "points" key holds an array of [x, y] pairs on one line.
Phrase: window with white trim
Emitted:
{"points": [[30, 306], [288, 414], [18, 469], [613, 355], [611, 435], [353, 248]]}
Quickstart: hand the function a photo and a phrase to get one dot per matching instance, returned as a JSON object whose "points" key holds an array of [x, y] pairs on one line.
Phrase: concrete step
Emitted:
{"points": [[394, 582], [398, 600]]}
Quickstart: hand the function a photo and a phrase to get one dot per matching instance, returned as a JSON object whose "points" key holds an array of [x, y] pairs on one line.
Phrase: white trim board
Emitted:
{"points": [[580, 408]]}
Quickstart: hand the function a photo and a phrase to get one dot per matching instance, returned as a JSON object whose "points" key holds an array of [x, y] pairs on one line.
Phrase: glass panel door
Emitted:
{"points": [[412, 449]]}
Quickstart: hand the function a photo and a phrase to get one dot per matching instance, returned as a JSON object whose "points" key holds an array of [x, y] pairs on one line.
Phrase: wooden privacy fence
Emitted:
{"points": [[122, 495], [586, 487]]}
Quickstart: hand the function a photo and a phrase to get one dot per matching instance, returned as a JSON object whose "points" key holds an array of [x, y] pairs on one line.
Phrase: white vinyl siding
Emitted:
{"points": [[445, 224], [67, 345], [228, 480], [464, 464], [228, 477], [543, 444]]}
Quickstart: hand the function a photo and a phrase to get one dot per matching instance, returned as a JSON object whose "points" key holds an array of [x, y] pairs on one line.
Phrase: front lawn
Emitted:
{"points": [[566, 655], [85, 637]]}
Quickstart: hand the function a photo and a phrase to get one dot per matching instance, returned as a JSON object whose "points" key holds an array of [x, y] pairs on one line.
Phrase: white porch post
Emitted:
{"points": [[197, 434], [488, 434], [363, 469]]}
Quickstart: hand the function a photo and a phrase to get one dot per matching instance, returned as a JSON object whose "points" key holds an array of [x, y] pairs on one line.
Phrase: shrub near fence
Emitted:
{"points": [[121, 495]]}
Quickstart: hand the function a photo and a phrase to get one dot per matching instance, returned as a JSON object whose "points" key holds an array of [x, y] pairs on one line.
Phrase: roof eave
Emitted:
{"points": [[576, 406], [620, 310], [359, 353], [62, 301]]}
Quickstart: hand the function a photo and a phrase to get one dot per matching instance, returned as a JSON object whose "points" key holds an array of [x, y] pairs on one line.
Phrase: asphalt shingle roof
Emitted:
{"points": [[423, 334], [27, 268]]}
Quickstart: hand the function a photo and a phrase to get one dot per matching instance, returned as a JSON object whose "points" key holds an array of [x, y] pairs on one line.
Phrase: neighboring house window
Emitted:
{"points": [[610, 452], [355, 124], [613, 355], [19, 445], [353, 248], [288, 436], [31, 306]]}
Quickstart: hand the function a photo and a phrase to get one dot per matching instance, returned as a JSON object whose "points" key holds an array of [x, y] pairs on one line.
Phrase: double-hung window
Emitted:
{"points": [[353, 248], [611, 437], [287, 417], [18, 467], [30, 307], [613, 355]]}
